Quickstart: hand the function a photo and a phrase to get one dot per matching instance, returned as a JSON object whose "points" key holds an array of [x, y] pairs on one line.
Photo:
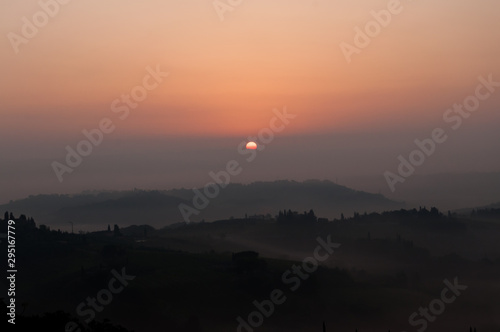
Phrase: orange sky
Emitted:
{"points": [[225, 77]]}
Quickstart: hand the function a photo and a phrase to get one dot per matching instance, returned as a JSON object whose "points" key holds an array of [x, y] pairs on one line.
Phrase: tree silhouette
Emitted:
{"points": [[311, 216]]}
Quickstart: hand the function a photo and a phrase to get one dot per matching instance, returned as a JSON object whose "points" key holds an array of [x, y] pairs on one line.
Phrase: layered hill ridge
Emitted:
{"points": [[161, 208]]}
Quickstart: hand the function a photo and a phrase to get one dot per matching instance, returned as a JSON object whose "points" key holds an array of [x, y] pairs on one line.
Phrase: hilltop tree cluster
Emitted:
{"points": [[294, 216], [22, 221]]}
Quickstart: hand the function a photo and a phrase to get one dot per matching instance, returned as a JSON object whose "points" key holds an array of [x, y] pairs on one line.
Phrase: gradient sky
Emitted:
{"points": [[225, 77]]}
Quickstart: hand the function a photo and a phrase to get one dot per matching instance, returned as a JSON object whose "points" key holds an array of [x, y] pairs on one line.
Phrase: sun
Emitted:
{"points": [[251, 146]]}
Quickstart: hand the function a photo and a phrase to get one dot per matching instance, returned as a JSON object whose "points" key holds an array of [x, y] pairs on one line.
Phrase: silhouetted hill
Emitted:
{"points": [[326, 198], [161, 208], [489, 212], [86, 211], [202, 276]]}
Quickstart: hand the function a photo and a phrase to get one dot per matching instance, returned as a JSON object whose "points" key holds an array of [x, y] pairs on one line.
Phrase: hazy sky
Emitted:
{"points": [[225, 78]]}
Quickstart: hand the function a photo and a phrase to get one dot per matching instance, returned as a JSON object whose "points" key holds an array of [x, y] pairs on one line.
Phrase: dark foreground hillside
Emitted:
{"points": [[377, 271]]}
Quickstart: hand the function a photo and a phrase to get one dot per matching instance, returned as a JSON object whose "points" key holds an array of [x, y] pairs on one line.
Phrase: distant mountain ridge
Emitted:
{"points": [[161, 208]]}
